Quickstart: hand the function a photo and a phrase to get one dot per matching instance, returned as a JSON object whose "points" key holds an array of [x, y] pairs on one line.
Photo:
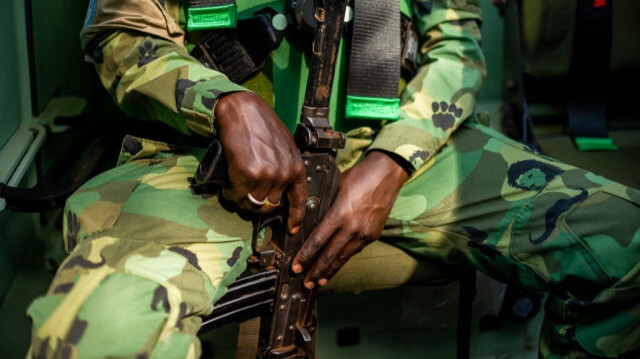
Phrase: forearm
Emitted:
{"points": [[153, 78], [443, 93]]}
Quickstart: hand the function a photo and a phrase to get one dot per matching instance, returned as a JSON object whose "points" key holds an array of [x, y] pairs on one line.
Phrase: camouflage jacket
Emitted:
{"points": [[140, 51]]}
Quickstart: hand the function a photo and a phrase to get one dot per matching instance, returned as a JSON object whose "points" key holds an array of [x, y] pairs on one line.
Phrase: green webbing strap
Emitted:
{"points": [[586, 106], [374, 63], [372, 108], [595, 143], [211, 14]]}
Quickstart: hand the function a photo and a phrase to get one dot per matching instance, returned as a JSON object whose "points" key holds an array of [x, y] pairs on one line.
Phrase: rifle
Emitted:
{"points": [[287, 328]]}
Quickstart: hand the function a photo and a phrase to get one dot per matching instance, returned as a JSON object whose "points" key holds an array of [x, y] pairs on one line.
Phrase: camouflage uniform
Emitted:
{"points": [[148, 259]]}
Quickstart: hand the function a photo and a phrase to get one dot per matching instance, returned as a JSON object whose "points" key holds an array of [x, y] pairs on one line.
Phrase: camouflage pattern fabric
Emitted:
{"points": [[138, 231], [443, 94], [148, 258], [153, 77], [522, 217]]}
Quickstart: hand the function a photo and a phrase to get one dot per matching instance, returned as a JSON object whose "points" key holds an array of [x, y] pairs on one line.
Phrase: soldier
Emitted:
{"points": [[147, 259]]}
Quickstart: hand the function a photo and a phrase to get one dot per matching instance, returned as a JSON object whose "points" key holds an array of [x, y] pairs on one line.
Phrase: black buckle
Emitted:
{"points": [[410, 47]]}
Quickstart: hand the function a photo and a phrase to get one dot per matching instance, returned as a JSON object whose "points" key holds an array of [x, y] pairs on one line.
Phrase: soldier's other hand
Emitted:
{"points": [[365, 197], [264, 162]]}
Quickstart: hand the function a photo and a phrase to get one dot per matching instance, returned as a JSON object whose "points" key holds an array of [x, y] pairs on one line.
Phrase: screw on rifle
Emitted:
{"points": [[309, 179], [318, 168], [291, 327], [284, 294], [279, 338], [282, 307], [312, 204], [306, 163]]}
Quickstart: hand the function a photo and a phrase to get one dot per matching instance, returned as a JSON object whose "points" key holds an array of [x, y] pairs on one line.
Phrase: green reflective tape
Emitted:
{"points": [[373, 108], [212, 17], [595, 144]]}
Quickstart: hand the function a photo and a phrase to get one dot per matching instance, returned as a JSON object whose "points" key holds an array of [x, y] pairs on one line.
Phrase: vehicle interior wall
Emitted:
{"points": [[58, 66], [41, 62], [9, 97], [12, 249]]}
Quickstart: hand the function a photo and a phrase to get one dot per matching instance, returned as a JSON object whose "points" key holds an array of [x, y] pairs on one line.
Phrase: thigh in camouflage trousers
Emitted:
{"points": [[519, 216]]}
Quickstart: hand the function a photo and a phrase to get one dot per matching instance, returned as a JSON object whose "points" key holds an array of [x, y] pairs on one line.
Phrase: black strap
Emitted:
{"points": [[588, 75], [528, 136], [374, 64], [239, 53], [222, 51]]}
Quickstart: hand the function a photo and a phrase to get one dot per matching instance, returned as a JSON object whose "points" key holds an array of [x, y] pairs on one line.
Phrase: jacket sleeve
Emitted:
{"points": [[444, 92], [147, 70]]}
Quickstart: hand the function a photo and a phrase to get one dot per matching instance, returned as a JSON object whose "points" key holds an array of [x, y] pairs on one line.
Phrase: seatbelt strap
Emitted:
{"points": [[374, 63], [528, 136], [211, 14], [588, 76]]}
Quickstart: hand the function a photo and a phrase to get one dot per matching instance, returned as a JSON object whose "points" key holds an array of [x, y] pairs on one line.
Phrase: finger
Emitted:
{"points": [[348, 251], [239, 197], [268, 206], [264, 181], [314, 244], [274, 197], [258, 198], [297, 196], [328, 256], [273, 202]]}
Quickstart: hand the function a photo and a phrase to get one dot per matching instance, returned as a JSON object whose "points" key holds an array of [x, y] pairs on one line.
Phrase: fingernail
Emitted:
{"points": [[322, 282], [297, 268], [295, 230], [309, 285]]}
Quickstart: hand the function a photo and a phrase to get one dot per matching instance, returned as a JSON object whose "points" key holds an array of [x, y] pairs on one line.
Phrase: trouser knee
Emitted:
{"points": [[144, 303], [592, 263]]}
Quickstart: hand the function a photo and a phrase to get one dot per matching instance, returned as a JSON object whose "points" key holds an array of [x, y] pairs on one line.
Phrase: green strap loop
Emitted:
{"points": [[372, 108], [212, 17], [595, 144]]}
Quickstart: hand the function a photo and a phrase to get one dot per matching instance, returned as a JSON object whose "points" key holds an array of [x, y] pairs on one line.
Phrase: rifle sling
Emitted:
{"points": [[375, 60]]}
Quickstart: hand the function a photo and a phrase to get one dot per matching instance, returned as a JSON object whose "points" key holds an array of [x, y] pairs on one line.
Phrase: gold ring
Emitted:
{"points": [[272, 205], [255, 201]]}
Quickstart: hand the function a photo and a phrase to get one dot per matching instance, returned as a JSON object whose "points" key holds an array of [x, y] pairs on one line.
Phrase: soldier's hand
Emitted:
{"points": [[264, 162], [365, 197]]}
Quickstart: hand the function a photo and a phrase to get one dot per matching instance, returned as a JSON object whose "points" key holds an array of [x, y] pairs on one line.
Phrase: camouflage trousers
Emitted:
{"points": [[148, 259]]}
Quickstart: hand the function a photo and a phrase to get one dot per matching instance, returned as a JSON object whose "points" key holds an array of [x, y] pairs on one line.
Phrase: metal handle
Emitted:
{"points": [[27, 158]]}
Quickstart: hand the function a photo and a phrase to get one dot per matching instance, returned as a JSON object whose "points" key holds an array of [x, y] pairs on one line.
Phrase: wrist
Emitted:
{"points": [[227, 103], [230, 106], [389, 166]]}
